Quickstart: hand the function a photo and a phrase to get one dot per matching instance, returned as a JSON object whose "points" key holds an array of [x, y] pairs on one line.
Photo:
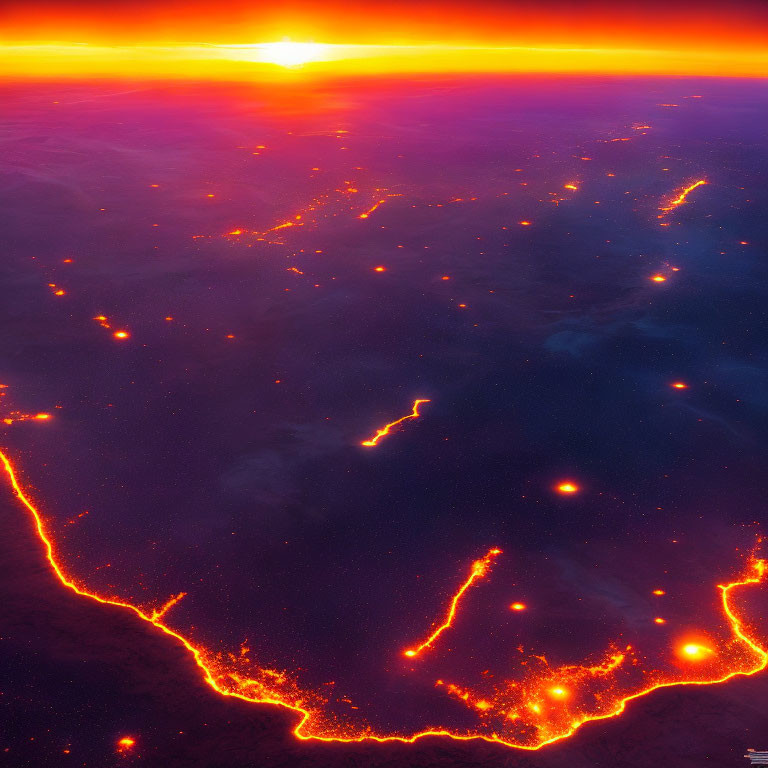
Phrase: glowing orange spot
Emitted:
{"points": [[445, 277], [658, 278], [659, 592], [558, 692], [60, 292], [235, 232], [680, 385], [695, 651], [126, 744], [659, 620], [463, 306], [42, 416], [69, 261], [121, 334], [386, 429], [570, 186], [517, 606], [479, 569], [379, 269], [525, 223], [230, 335], [568, 487]]}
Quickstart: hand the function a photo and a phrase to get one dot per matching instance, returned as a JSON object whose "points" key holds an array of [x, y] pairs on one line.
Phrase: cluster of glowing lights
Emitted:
{"points": [[387, 428], [14, 416], [311, 213], [559, 684], [680, 198], [479, 569], [103, 321]]}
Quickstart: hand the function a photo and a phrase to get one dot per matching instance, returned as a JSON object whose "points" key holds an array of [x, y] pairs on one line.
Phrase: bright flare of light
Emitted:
{"points": [[288, 54], [680, 385], [517, 606], [658, 278], [695, 651], [126, 743], [567, 488]]}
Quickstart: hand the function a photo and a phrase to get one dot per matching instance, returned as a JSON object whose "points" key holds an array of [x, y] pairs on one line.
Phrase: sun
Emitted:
{"points": [[288, 54]]}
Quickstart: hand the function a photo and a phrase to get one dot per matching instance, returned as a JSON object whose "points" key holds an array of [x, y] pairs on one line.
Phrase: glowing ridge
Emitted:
{"points": [[385, 430], [227, 683], [479, 569], [680, 199]]}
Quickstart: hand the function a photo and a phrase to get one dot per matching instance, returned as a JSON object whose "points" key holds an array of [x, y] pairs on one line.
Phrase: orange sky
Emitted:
{"points": [[173, 38]]}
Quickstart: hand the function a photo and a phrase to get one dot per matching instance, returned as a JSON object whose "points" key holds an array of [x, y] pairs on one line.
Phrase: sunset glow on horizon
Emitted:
{"points": [[235, 40], [216, 61]]}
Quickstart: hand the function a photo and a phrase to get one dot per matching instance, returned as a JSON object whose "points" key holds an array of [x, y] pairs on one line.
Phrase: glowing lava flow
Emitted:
{"points": [[546, 711], [366, 214], [479, 569], [160, 612], [680, 199], [414, 414], [18, 416]]}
